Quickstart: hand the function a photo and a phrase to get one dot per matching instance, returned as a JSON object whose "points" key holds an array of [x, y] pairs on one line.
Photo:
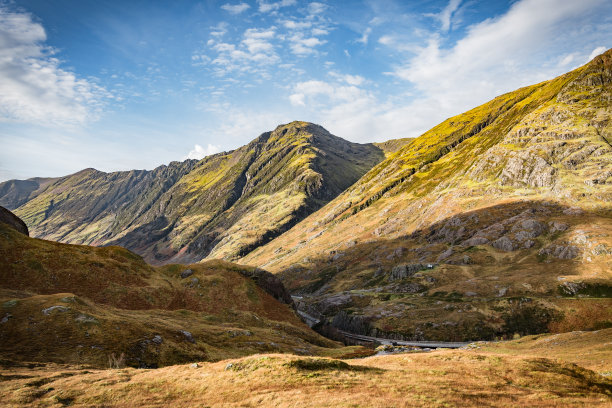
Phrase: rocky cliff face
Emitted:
{"points": [[223, 206], [517, 192]]}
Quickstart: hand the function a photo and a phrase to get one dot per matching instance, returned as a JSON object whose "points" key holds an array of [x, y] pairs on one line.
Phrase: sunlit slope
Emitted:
{"points": [[82, 305], [220, 207], [444, 238], [550, 140]]}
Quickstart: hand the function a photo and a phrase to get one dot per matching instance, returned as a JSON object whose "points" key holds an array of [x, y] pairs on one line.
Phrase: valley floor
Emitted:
{"points": [[570, 369]]}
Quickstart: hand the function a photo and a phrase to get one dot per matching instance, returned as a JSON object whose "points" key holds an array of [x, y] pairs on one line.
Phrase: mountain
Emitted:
{"points": [[75, 304], [14, 193], [222, 206], [474, 229]]}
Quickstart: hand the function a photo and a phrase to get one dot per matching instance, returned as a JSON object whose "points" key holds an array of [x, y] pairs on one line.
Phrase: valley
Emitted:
{"points": [[265, 274]]}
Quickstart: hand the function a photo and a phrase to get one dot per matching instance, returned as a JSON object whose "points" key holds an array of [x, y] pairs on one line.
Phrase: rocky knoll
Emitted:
{"points": [[13, 221]]}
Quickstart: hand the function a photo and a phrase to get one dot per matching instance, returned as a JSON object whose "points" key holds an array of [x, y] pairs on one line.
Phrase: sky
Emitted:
{"points": [[119, 85]]}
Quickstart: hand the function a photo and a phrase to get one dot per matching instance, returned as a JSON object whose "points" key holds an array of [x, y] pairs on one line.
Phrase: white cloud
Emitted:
{"points": [[235, 8], [33, 86], [495, 55], [250, 55], [365, 36], [386, 40], [219, 30], [349, 79], [319, 31], [265, 7], [301, 45], [198, 152], [596, 52], [295, 25], [316, 8], [446, 14]]}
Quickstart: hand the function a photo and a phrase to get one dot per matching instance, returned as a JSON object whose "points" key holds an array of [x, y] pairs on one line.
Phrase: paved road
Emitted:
{"points": [[427, 344], [312, 321]]}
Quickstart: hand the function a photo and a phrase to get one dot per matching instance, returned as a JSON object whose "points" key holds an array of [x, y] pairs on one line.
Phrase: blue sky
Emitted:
{"points": [[118, 85]]}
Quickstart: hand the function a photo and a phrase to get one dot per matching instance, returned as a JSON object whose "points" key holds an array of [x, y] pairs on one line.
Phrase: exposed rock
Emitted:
{"points": [[573, 211], [471, 294], [351, 323], [557, 226], [529, 228], [186, 273], [331, 304], [503, 244], [571, 288], [405, 271], [528, 168], [83, 318], [502, 292], [560, 251], [13, 221], [6, 318], [528, 244], [157, 339], [270, 283], [476, 241], [446, 254], [188, 336], [602, 249], [48, 310]]}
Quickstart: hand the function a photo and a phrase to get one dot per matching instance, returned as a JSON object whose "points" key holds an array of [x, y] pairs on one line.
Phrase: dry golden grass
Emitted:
{"points": [[523, 373]]}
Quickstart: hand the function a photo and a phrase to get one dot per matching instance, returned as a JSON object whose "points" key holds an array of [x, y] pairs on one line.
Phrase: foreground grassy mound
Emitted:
{"points": [[466, 230], [98, 306], [462, 378]]}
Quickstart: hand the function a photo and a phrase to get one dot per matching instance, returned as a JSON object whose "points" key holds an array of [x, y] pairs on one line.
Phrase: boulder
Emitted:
{"points": [[13, 221], [560, 251], [405, 271], [503, 244], [186, 273], [48, 310]]}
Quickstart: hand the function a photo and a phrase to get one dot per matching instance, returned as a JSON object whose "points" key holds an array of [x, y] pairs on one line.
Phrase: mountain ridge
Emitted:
{"points": [[191, 210]]}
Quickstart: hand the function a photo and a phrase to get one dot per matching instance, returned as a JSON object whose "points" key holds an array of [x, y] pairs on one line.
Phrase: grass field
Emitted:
{"points": [[571, 369]]}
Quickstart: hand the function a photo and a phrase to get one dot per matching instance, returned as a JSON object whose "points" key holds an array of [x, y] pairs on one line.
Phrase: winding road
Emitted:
{"points": [[313, 321]]}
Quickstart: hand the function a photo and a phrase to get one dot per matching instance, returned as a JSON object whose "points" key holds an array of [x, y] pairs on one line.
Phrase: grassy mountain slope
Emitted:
{"points": [[489, 376], [14, 193], [83, 305], [511, 200], [221, 207]]}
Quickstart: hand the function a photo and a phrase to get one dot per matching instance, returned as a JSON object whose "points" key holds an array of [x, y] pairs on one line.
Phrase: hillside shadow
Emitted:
{"points": [[510, 252]]}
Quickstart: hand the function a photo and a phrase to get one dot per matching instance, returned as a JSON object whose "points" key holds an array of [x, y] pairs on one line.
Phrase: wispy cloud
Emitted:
{"points": [[198, 152], [254, 50], [596, 52], [235, 8], [34, 87], [301, 45], [366, 35], [266, 7], [494, 56], [444, 17]]}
